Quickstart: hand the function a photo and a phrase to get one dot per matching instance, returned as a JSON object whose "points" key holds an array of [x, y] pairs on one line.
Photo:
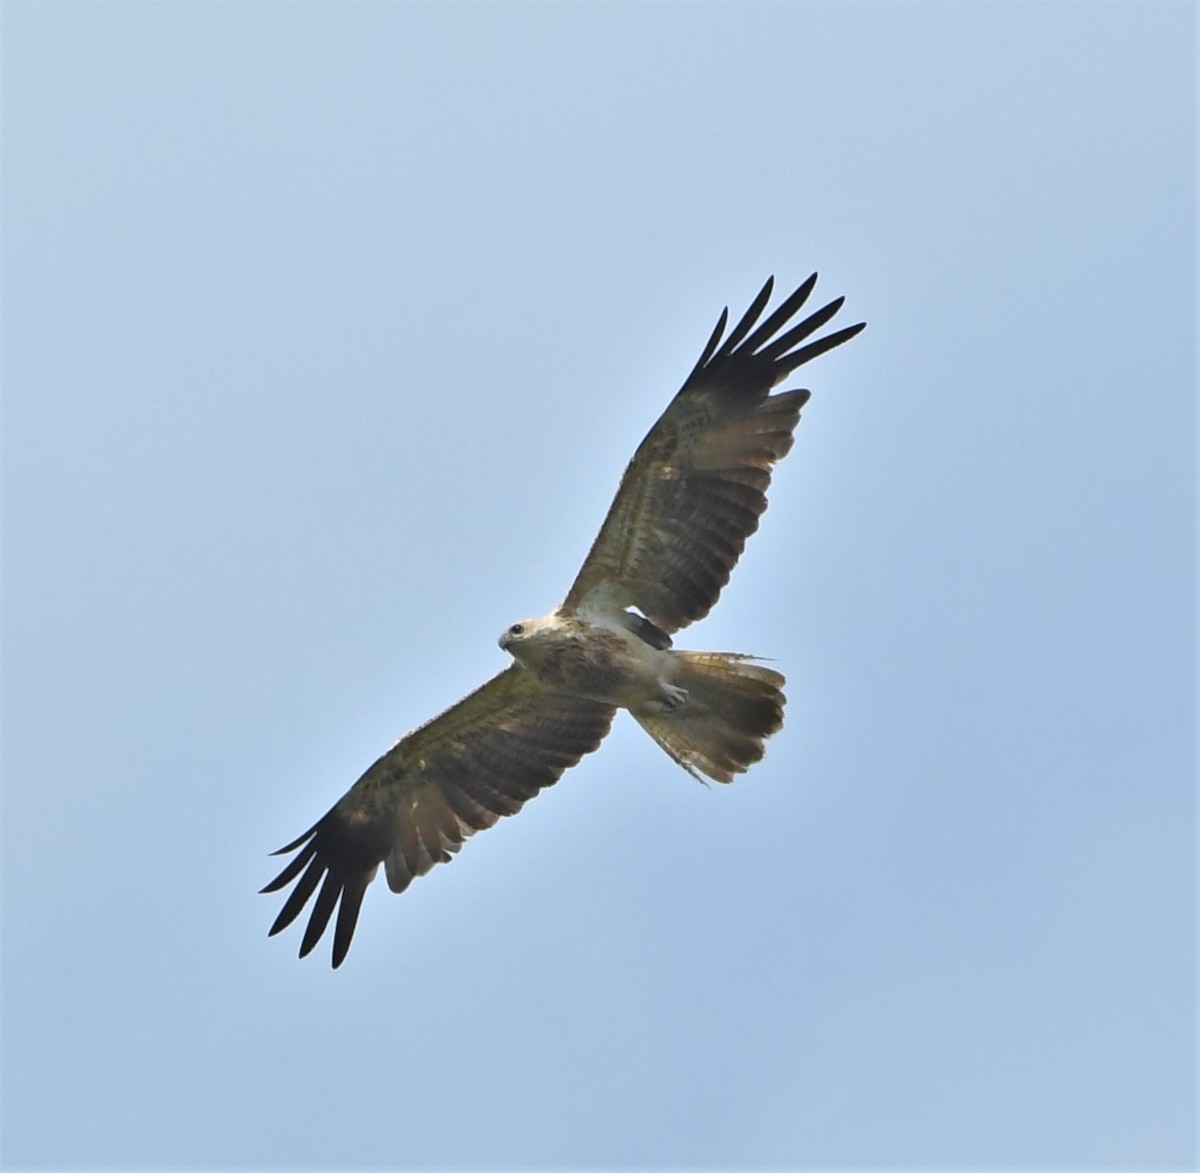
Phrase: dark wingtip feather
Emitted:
{"points": [[711, 345], [299, 896], [319, 917], [291, 871], [779, 317], [295, 842], [347, 919], [820, 346], [754, 349], [746, 323], [777, 351]]}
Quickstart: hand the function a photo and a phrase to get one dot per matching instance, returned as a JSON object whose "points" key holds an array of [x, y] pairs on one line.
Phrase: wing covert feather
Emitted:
{"points": [[480, 760], [697, 485]]}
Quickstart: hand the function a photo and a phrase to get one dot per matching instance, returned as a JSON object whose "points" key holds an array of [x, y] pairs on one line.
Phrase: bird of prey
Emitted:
{"points": [[690, 497]]}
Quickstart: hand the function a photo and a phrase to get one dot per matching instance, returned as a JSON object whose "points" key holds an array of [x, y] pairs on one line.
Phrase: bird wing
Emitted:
{"points": [[697, 484], [482, 758]]}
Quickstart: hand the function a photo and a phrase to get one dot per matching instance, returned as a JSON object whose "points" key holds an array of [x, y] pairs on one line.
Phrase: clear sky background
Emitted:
{"points": [[328, 331]]}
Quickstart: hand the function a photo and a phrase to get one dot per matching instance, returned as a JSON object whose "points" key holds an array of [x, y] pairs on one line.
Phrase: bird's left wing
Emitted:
{"points": [[479, 760], [697, 484]]}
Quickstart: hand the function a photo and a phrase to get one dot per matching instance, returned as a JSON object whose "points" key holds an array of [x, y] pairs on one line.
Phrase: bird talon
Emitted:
{"points": [[673, 697]]}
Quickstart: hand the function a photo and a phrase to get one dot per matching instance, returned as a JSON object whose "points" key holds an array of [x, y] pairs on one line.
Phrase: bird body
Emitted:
{"points": [[690, 497], [597, 657]]}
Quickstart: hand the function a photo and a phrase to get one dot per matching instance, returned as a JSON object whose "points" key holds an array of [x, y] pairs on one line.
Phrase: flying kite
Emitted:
{"points": [[691, 496]]}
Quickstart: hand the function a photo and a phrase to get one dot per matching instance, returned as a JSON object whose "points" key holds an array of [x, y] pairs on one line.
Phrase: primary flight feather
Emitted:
{"points": [[691, 496]]}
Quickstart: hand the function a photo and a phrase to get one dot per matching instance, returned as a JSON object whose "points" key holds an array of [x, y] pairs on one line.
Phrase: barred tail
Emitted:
{"points": [[733, 706]]}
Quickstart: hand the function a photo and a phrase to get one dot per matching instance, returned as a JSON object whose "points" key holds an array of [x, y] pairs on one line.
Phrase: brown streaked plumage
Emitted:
{"points": [[697, 484], [691, 496], [482, 758]]}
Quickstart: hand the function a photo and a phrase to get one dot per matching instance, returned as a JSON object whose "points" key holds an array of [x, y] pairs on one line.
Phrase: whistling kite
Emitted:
{"points": [[688, 501]]}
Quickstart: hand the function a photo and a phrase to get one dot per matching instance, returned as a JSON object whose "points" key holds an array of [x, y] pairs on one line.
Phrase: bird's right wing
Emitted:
{"points": [[479, 760]]}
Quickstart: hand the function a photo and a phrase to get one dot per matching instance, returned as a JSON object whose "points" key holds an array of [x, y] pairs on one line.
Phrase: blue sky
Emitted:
{"points": [[328, 332]]}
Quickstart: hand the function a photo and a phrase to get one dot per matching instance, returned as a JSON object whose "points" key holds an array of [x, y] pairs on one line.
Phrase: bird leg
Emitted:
{"points": [[670, 698]]}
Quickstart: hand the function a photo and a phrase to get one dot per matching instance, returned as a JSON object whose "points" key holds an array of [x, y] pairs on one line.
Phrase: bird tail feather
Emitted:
{"points": [[733, 706]]}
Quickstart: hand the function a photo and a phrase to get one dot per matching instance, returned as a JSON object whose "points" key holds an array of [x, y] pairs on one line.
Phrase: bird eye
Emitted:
{"points": [[517, 629]]}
